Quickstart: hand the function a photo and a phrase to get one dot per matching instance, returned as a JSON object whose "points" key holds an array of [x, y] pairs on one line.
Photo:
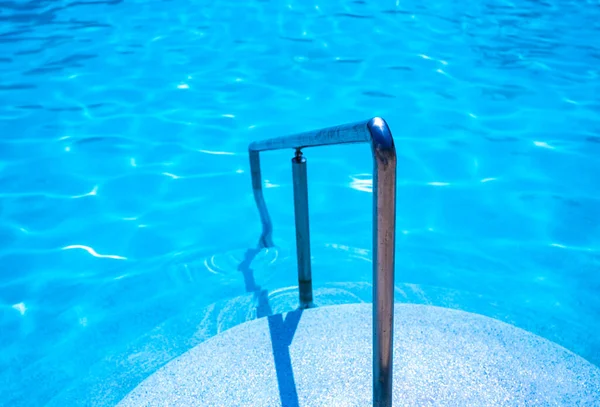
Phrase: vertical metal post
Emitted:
{"points": [[302, 229], [384, 243]]}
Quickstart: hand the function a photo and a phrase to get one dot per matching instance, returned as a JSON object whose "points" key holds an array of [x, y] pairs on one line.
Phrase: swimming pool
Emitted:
{"points": [[125, 200]]}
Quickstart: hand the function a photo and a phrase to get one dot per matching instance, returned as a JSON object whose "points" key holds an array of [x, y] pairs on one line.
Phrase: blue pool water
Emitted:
{"points": [[125, 199]]}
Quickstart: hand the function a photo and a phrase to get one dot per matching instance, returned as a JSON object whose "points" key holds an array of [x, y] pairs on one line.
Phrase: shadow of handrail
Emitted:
{"points": [[281, 331]]}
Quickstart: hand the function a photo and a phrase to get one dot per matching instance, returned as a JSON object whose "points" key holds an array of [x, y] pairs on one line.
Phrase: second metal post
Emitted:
{"points": [[299, 175]]}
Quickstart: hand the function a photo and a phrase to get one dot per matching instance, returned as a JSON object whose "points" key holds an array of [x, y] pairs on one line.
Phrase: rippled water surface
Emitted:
{"points": [[126, 213]]}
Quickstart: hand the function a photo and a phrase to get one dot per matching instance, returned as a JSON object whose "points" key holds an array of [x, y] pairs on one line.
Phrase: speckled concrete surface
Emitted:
{"points": [[322, 357]]}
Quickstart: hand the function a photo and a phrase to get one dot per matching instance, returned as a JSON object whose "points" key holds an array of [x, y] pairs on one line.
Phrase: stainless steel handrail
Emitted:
{"points": [[378, 134]]}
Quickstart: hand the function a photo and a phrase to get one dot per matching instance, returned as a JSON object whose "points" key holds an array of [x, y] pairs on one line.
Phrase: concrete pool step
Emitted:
{"points": [[322, 357]]}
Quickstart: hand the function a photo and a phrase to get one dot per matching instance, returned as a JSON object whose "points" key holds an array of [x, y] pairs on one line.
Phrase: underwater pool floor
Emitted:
{"points": [[322, 356]]}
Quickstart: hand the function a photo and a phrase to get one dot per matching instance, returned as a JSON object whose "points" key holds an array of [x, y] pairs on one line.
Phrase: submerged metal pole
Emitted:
{"points": [[302, 229]]}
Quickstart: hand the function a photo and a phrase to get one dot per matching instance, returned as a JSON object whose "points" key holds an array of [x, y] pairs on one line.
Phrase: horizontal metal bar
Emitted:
{"points": [[348, 133], [377, 132]]}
